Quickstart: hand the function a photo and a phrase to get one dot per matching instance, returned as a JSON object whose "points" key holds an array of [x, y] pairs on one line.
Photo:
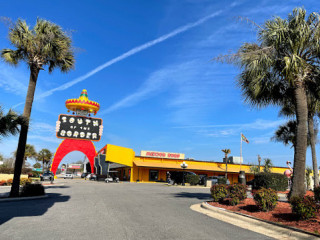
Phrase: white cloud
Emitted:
{"points": [[11, 80], [259, 124], [158, 81], [127, 54], [39, 138], [42, 127]]}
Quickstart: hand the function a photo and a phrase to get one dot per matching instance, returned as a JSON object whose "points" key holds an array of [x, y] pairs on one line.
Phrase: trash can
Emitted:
{"points": [[242, 177]]}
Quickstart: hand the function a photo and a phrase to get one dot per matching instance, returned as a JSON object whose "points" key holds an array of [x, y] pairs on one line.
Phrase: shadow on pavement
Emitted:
{"points": [[201, 196], [26, 208]]}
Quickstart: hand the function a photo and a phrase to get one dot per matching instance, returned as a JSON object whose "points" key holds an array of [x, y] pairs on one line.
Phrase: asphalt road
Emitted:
{"points": [[97, 210]]}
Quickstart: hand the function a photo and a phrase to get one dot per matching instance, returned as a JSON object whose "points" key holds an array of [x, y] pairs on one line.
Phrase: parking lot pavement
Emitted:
{"points": [[79, 209]]}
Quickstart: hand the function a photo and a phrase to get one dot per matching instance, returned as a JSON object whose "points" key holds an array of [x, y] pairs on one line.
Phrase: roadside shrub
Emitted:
{"points": [[275, 181], [3, 183], [266, 199], [317, 194], [31, 190], [9, 182], [222, 180], [234, 201], [238, 191], [24, 181], [304, 207], [192, 179], [219, 192], [8, 170]]}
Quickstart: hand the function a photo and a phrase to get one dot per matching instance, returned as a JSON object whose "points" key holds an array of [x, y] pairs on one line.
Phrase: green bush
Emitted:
{"points": [[24, 181], [234, 201], [304, 207], [317, 193], [30, 190], [222, 180], [238, 191], [266, 199], [193, 179], [275, 181], [219, 192]]}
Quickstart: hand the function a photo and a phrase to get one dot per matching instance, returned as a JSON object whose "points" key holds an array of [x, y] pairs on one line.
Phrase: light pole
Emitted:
{"points": [[183, 166]]}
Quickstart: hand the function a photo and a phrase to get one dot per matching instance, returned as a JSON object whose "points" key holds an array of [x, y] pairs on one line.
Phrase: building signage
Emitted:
{"points": [[74, 166], [79, 127], [162, 154]]}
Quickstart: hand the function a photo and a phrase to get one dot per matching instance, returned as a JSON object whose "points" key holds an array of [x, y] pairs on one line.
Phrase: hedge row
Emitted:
{"points": [[7, 170], [275, 181], [23, 181]]}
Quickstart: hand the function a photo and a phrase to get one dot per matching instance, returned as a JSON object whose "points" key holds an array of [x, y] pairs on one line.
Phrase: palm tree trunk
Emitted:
{"points": [[313, 151], [226, 156], [34, 72], [298, 186]]}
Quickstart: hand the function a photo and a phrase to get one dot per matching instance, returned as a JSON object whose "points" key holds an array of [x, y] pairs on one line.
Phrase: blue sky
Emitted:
{"points": [[165, 94]]}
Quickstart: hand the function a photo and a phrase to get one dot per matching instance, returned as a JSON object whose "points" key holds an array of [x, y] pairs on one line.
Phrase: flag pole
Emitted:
{"points": [[240, 149]]}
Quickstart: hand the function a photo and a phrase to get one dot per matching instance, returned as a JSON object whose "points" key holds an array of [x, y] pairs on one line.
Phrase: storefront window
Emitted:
{"points": [[153, 175]]}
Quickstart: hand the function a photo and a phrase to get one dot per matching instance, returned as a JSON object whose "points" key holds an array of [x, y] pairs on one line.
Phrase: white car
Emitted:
{"points": [[68, 175]]}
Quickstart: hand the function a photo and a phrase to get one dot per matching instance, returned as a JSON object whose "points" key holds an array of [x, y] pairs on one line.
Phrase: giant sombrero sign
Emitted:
{"points": [[78, 130]]}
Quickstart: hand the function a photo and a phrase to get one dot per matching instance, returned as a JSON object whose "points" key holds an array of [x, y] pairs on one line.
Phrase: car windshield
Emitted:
{"points": [[46, 174]]}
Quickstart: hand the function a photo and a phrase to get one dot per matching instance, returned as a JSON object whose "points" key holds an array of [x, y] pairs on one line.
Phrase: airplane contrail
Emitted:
{"points": [[125, 55]]}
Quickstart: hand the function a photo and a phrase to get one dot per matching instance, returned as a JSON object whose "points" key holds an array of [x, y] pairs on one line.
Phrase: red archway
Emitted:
{"points": [[70, 145]]}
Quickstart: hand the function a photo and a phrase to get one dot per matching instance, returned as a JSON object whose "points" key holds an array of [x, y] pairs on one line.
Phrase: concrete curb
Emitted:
{"points": [[53, 185], [22, 198], [291, 231]]}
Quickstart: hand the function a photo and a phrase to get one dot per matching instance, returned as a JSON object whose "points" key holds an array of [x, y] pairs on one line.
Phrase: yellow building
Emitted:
{"points": [[152, 166]]}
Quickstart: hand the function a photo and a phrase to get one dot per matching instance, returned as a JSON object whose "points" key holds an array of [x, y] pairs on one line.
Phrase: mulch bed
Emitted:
{"points": [[281, 214]]}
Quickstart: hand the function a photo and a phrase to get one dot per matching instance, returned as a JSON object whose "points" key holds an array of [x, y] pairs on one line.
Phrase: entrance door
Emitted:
{"points": [[153, 175]]}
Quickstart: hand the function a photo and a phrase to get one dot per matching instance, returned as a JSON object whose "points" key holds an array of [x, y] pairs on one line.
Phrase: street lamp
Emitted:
{"points": [[183, 166]]}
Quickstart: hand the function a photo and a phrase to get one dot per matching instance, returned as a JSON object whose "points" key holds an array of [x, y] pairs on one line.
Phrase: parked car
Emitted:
{"points": [[91, 176], [68, 175], [83, 175], [214, 180], [49, 176]]}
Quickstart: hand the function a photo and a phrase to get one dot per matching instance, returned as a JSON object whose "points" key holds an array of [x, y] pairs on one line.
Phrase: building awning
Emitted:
{"points": [[205, 166]]}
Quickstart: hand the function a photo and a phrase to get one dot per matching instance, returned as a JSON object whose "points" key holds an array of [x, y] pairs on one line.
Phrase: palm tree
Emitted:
{"points": [[254, 169], [267, 165], [29, 152], [313, 100], [286, 133], [10, 123], [308, 175], [44, 45], [44, 156], [284, 60], [226, 152]]}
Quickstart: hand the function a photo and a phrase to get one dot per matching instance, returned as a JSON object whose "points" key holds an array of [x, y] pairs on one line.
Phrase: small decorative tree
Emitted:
{"points": [[226, 152], [45, 156]]}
